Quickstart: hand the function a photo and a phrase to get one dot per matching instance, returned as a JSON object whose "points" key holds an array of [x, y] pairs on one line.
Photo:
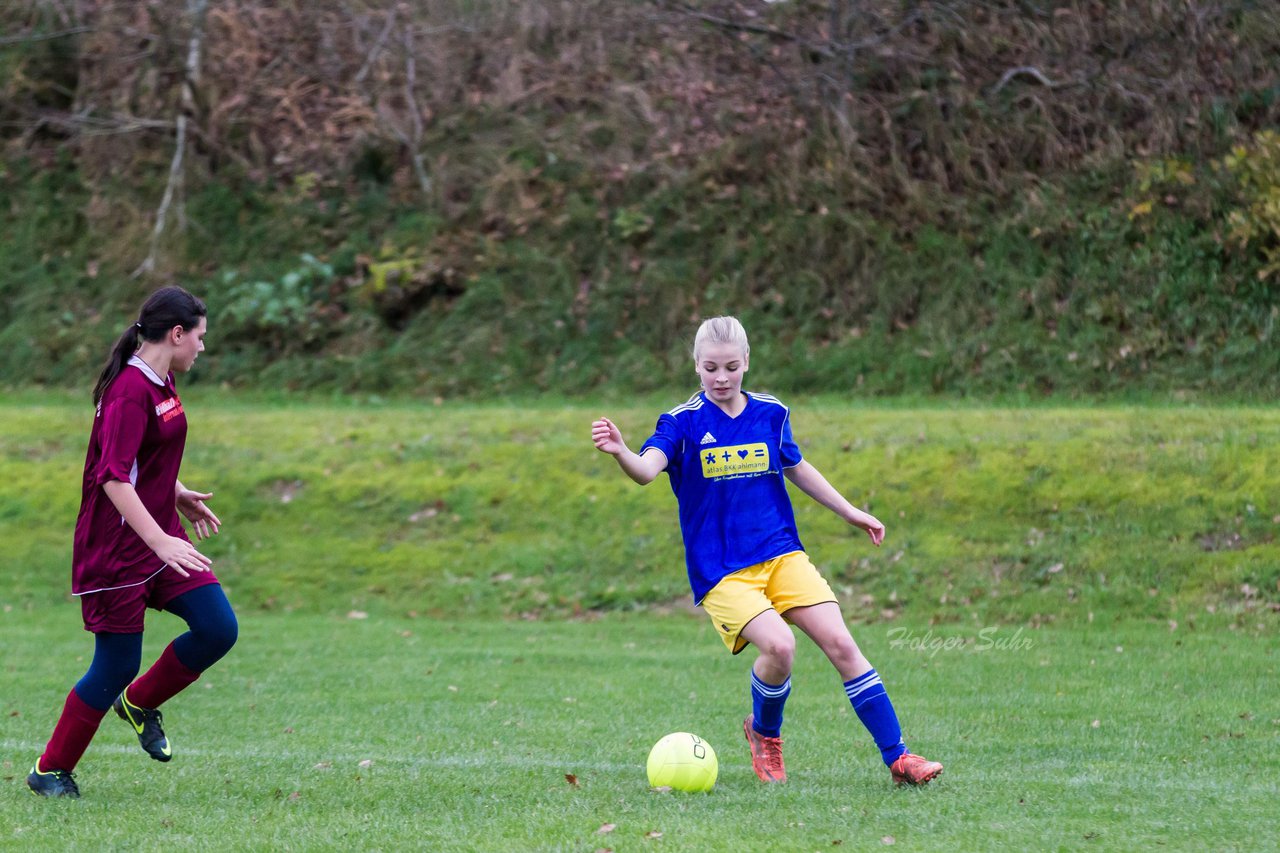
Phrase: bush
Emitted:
{"points": [[281, 315], [1255, 222]]}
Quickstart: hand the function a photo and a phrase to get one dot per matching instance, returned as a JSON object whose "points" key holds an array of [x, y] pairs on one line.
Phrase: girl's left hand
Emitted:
{"points": [[191, 504], [872, 525]]}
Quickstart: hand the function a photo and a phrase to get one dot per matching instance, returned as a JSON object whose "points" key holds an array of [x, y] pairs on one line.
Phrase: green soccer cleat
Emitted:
{"points": [[146, 722], [52, 783]]}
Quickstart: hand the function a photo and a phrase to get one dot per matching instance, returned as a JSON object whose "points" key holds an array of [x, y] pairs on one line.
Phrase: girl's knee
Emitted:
{"points": [[211, 636], [221, 634], [232, 633], [843, 651], [779, 648], [209, 617]]}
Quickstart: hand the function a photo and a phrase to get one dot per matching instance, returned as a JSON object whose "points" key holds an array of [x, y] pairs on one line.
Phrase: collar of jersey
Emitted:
{"points": [[725, 414], [146, 370]]}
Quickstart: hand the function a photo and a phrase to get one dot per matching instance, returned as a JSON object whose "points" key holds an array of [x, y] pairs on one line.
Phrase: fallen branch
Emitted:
{"points": [[757, 29], [88, 125], [378, 44], [73, 31], [1023, 71]]}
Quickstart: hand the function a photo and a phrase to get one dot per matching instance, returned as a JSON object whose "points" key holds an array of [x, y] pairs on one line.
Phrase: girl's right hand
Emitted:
{"points": [[180, 555], [607, 437]]}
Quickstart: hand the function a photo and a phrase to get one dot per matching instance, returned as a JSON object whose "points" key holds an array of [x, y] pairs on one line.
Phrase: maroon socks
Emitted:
{"points": [[167, 678], [71, 736], [79, 722]]}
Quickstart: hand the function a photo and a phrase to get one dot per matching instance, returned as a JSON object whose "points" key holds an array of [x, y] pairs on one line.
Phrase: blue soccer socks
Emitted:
{"points": [[871, 703], [766, 705]]}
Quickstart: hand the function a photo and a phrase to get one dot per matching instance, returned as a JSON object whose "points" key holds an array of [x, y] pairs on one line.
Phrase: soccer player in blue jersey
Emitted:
{"points": [[726, 452]]}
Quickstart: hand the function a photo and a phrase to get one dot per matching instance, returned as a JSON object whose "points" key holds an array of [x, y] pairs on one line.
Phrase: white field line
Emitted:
{"points": [[336, 759], [305, 761]]}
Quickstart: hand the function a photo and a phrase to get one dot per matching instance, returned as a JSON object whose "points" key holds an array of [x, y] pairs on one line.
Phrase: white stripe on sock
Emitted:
{"points": [[854, 690], [768, 689]]}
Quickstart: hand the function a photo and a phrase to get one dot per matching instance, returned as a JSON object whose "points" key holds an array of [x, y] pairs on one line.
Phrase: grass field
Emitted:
{"points": [[1007, 514], [335, 733], [446, 609]]}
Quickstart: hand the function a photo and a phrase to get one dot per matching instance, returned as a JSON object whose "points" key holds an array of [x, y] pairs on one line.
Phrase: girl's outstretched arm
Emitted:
{"points": [[608, 439], [810, 481]]}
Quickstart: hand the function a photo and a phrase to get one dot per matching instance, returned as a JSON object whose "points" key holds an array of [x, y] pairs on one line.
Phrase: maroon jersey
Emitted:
{"points": [[139, 432]]}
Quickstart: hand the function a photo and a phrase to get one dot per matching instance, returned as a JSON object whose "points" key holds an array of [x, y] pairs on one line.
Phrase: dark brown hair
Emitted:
{"points": [[167, 307]]}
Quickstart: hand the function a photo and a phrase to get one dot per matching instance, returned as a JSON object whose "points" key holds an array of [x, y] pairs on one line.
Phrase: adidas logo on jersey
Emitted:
{"points": [[708, 439]]}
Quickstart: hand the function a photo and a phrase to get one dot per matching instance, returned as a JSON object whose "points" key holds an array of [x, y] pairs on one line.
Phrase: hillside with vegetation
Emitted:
{"points": [[454, 198]]}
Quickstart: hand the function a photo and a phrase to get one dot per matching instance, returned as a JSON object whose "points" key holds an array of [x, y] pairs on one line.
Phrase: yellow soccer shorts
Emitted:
{"points": [[780, 584]]}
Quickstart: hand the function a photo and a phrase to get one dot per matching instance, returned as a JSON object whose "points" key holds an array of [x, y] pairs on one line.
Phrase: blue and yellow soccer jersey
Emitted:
{"points": [[727, 477]]}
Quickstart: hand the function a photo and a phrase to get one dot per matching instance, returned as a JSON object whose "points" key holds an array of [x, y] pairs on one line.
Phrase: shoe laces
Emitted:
{"points": [[771, 749], [147, 716], [910, 765], [64, 779]]}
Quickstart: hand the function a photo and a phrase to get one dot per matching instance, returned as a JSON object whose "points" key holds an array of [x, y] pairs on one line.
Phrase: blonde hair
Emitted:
{"points": [[721, 330]]}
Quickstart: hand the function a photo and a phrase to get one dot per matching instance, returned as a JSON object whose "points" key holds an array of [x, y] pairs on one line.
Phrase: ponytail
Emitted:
{"points": [[166, 308], [126, 346]]}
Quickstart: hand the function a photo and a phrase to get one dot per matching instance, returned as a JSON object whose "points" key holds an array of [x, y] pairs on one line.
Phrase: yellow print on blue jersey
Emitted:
{"points": [[738, 459]]}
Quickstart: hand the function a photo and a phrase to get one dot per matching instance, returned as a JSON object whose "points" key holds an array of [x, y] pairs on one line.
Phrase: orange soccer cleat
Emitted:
{"points": [[766, 753], [913, 770]]}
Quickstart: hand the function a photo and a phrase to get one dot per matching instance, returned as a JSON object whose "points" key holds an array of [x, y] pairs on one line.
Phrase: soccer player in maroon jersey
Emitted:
{"points": [[131, 551]]}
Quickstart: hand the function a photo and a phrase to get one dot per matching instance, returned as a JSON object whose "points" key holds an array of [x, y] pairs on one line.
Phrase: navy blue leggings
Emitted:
{"points": [[212, 631]]}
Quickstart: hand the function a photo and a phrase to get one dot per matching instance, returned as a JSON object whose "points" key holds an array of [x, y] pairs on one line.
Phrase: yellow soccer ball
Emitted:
{"points": [[683, 762]]}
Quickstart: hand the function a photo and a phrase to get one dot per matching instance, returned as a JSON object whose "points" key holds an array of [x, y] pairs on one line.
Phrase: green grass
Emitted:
{"points": [[1017, 514], [322, 732], [1074, 611]]}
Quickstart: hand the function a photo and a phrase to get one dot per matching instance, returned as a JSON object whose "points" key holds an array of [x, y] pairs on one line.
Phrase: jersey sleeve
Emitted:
{"points": [[666, 437], [788, 450], [124, 422]]}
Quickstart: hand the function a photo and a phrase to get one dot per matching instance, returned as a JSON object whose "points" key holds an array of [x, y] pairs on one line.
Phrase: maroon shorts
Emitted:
{"points": [[121, 611]]}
